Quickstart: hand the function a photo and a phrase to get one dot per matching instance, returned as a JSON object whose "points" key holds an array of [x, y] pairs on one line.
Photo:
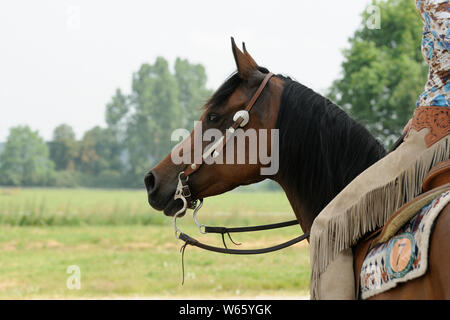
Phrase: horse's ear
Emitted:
{"points": [[248, 54], [244, 65]]}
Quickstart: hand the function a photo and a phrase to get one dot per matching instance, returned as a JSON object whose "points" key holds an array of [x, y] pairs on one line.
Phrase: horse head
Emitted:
{"points": [[225, 149]]}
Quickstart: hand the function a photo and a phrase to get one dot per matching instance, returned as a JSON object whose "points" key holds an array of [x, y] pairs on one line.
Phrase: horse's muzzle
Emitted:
{"points": [[158, 197], [152, 185]]}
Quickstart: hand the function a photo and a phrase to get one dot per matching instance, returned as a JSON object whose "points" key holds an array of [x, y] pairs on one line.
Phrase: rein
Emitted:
{"points": [[241, 118], [225, 230], [188, 240]]}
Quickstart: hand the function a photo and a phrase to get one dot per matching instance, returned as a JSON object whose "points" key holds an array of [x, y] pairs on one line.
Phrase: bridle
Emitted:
{"points": [[240, 118]]}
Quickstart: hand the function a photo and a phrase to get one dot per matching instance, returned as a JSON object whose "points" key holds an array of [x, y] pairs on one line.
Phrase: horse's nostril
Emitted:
{"points": [[150, 182]]}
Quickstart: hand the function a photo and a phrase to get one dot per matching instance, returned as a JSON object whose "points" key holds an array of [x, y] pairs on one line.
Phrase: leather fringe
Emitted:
{"points": [[372, 211]]}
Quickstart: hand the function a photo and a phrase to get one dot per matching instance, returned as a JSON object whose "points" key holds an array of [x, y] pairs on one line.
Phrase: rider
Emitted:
{"points": [[372, 197]]}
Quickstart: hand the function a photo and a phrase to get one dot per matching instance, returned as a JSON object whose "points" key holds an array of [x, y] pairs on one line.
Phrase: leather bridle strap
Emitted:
{"points": [[194, 242], [226, 231], [236, 124], [191, 203], [222, 230], [188, 240], [241, 118]]}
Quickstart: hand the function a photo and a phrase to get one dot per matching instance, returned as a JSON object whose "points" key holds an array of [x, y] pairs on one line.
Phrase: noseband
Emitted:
{"points": [[241, 119]]}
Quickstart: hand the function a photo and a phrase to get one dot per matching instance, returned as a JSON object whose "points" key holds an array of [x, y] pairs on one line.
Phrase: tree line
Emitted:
{"points": [[383, 73], [137, 134]]}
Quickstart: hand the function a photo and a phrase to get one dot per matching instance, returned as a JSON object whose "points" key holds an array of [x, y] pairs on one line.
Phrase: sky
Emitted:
{"points": [[61, 61]]}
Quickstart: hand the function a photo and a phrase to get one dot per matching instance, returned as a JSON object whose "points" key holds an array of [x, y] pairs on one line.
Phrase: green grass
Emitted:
{"points": [[124, 249], [57, 207]]}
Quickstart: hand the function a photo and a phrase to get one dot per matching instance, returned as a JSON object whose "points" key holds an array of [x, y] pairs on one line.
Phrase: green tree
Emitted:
{"points": [[160, 101], [155, 114], [192, 93], [98, 151], [383, 70], [64, 148], [116, 115], [25, 159]]}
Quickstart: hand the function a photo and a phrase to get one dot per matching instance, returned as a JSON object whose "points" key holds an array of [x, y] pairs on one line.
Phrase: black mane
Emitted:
{"points": [[322, 149]]}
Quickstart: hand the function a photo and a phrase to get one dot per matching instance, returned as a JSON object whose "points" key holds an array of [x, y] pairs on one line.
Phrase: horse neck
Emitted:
{"points": [[321, 150], [305, 216]]}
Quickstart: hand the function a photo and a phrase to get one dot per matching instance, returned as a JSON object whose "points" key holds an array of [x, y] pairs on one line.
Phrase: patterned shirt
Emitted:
{"points": [[436, 51]]}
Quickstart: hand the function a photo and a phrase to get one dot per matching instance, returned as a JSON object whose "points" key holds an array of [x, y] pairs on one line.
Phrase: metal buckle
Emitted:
{"points": [[244, 115], [185, 191]]}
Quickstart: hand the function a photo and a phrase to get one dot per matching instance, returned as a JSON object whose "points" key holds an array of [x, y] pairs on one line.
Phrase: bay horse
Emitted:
{"points": [[321, 150]]}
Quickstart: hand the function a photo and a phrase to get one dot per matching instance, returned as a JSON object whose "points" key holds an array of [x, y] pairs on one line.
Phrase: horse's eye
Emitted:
{"points": [[213, 117]]}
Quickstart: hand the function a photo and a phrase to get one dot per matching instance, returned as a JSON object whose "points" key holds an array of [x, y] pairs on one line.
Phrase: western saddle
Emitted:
{"points": [[436, 182]]}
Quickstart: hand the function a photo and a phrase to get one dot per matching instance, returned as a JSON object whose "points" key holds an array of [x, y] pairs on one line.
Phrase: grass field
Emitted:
{"points": [[124, 249]]}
